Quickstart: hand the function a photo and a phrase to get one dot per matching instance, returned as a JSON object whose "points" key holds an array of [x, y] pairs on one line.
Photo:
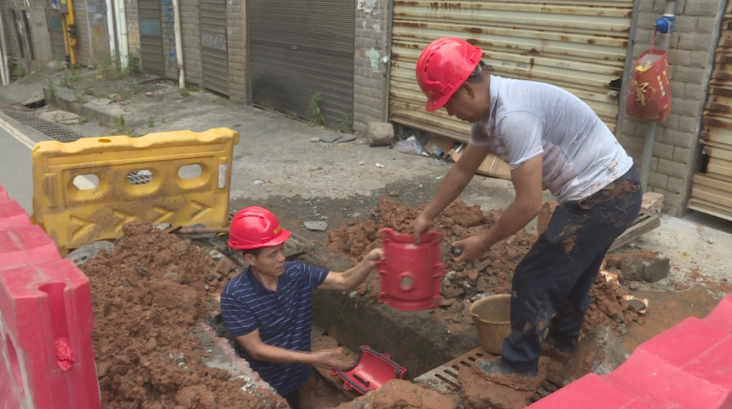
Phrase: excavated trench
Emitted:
{"points": [[153, 292]]}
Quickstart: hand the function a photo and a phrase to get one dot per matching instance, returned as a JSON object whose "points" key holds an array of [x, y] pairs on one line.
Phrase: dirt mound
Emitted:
{"points": [[492, 275], [499, 392], [399, 394], [148, 294]]}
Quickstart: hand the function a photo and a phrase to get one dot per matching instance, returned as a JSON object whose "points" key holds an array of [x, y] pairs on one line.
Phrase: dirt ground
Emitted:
{"points": [[491, 275], [148, 295], [399, 394]]}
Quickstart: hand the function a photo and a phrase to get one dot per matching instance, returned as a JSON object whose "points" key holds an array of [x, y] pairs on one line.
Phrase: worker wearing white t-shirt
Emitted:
{"points": [[551, 140]]}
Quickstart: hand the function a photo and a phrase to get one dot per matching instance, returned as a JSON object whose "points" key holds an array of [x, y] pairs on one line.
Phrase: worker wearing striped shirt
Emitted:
{"points": [[268, 307]]}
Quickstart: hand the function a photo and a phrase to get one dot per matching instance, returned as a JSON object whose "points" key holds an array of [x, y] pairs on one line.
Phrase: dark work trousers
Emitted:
{"points": [[557, 273], [293, 399]]}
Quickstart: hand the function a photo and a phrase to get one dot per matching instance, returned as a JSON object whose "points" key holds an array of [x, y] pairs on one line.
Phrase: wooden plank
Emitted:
{"points": [[721, 162], [721, 139], [491, 166], [717, 152], [719, 171], [710, 195], [643, 224], [724, 185], [710, 209]]}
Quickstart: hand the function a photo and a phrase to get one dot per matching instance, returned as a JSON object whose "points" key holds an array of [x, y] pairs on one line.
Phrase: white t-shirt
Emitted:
{"points": [[581, 155]]}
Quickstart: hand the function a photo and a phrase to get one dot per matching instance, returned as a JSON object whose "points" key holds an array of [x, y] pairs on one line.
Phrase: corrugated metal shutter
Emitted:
{"points": [[152, 56], [578, 45], [298, 48], [712, 191], [56, 32], [214, 51]]}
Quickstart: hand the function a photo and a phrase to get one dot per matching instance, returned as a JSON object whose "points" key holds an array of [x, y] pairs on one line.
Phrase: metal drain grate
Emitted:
{"points": [[445, 378], [47, 128], [139, 177]]}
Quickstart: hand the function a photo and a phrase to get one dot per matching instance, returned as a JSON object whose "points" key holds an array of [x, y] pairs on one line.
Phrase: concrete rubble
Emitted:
{"points": [[645, 266], [381, 134]]}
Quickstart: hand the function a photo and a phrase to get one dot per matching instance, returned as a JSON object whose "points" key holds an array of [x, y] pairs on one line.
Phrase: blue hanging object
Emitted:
{"points": [[665, 24]]}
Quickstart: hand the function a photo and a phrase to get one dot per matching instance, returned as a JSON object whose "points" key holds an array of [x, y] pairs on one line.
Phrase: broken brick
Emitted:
{"points": [[380, 134], [613, 260], [652, 203], [645, 266]]}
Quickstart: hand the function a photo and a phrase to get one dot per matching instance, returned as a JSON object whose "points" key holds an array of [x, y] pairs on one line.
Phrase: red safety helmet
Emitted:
{"points": [[254, 228], [443, 67]]}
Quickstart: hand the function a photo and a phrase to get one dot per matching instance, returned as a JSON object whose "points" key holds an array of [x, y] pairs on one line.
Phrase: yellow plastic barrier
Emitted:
{"points": [[86, 190]]}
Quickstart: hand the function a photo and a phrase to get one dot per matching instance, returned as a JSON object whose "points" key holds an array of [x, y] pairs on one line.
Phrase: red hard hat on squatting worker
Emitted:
{"points": [[551, 140], [268, 307]]}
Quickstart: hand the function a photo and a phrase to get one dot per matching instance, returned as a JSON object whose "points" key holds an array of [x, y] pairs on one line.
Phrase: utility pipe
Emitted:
{"points": [[124, 50], [179, 45], [665, 26], [118, 33], [110, 28], [70, 22], [4, 70]]}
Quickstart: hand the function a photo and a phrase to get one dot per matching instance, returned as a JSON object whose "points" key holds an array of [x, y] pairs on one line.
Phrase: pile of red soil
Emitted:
{"points": [[493, 274], [400, 394], [148, 294]]}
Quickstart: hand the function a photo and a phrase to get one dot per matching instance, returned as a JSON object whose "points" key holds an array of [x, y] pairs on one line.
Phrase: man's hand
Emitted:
{"points": [[330, 358], [374, 256], [419, 226], [474, 248]]}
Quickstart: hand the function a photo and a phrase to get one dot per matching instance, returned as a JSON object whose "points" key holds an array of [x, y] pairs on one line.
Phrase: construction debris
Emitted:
{"points": [[380, 134], [652, 203], [647, 266], [316, 225]]}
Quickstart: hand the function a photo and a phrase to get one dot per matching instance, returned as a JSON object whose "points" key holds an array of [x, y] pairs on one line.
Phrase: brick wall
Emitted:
{"points": [[676, 153], [370, 70], [236, 46], [191, 40]]}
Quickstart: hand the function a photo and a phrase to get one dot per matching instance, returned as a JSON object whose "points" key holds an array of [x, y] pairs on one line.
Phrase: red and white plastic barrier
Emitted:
{"points": [[46, 320], [688, 366]]}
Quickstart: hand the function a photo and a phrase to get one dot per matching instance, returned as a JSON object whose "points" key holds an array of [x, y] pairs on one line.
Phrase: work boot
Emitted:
{"points": [[503, 368], [559, 346]]}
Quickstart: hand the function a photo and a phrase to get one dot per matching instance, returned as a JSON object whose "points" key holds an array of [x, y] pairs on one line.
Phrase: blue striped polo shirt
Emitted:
{"points": [[283, 318]]}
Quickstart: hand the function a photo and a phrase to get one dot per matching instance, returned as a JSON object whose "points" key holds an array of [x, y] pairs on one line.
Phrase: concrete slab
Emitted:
{"points": [[61, 117]]}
